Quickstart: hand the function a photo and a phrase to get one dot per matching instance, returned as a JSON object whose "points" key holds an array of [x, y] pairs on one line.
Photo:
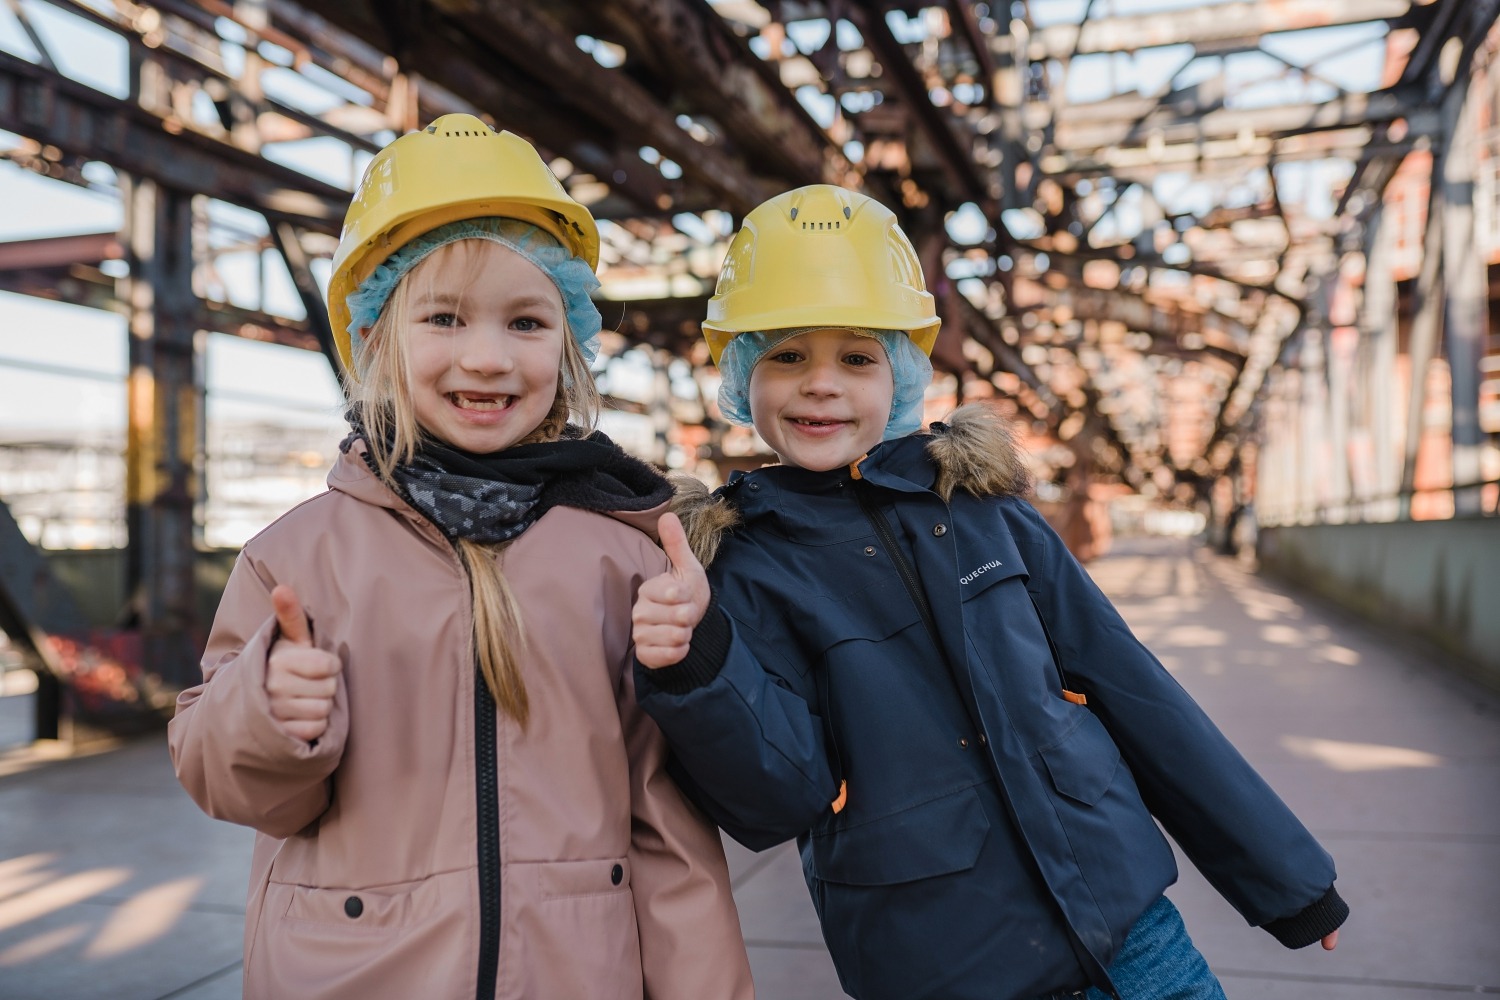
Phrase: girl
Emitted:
{"points": [[899, 664], [417, 688]]}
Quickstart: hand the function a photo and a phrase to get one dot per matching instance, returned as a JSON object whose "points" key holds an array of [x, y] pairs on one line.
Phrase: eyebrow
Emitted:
{"points": [[452, 299]]}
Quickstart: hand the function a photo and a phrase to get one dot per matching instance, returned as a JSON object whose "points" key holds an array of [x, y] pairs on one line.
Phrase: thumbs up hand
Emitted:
{"points": [[300, 679], [668, 607]]}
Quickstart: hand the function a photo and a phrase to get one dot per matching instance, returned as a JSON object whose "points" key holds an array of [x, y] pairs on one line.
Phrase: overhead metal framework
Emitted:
{"points": [[1109, 211]]}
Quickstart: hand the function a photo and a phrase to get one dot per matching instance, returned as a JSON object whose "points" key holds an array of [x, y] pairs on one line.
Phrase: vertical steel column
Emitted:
{"points": [[1381, 475], [1428, 322], [164, 400], [1465, 317]]}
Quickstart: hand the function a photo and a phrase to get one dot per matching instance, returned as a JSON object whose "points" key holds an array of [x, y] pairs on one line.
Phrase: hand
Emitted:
{"points": [[668, 607], [300, 680], [1331, 941]]}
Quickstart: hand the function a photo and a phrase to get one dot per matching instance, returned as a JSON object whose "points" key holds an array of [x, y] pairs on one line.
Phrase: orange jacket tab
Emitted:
{"points": [[843, 799], [854, 466], [1075, 697]]}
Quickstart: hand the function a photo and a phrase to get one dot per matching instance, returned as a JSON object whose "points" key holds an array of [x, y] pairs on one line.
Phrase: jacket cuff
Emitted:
{"points": [[1313, 924], [707, 652]]}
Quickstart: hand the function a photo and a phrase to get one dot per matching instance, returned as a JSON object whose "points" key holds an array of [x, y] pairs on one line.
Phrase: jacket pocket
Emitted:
{"points": [[818, 624], [569, 930], [387, 906], [935, 838], [575, 879], [1082, 764]]}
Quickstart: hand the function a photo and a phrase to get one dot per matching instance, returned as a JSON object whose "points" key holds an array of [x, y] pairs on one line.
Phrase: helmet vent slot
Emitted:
{"points": [[465, 132], [822, 227]]}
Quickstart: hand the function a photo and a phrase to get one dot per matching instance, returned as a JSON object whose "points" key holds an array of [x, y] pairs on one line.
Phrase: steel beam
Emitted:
{"points": [[1214, 27], [714, 69], [164, 405], [1143, 164], [957, 162], [81, 121], [1466, 307], [1226, 338], [1130, 122], [524, 36], [60, 251], [289, 245]]}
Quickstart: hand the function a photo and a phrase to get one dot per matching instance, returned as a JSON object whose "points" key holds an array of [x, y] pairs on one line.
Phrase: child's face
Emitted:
{"points": [[822, 399], [485, 330]]}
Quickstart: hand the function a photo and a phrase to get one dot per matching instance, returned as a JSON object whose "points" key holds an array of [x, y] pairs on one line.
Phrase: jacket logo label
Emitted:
{"points": [[969, 578]]}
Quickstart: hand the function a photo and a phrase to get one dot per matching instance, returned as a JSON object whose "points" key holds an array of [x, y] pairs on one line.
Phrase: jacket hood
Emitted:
{"points": [[974, 450]]}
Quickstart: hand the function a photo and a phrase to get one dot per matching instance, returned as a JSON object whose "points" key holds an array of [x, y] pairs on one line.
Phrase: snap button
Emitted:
{"points": [[940, 530], [616, 875], [983, 740], [963, 742], [354, 906], [869, 550], [754, 487]]}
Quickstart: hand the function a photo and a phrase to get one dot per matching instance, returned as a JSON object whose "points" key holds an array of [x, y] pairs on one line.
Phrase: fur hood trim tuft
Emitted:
{"points": [[974, 450], [705, 518]]}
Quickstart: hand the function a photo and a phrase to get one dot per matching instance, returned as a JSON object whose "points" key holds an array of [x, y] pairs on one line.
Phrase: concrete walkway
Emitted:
{"points": [[113, 885]]}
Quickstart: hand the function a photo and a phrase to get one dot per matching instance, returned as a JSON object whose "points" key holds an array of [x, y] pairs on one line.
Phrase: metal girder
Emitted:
{"points": [[289, 245], [1221, 156], [1216, 27], [526, 37], [968, 26], [957, 162], [689, 44], [59, 251], [1224, 337], [81, 121], [164, 407], [1124, 122]]}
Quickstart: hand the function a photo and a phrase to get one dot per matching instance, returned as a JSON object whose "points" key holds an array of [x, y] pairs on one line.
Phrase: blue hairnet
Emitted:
{"points": [[572, 276], [910, 370]]}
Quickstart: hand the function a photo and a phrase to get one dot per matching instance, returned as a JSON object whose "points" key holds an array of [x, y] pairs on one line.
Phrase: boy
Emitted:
{"points": [[899, 664]]}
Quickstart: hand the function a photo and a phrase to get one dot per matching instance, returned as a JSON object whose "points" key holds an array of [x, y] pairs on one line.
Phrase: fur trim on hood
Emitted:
{"points": [[974, 450]]}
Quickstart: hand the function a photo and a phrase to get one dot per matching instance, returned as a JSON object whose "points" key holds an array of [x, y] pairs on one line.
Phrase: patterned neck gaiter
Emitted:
{"points": [[493, 498]]}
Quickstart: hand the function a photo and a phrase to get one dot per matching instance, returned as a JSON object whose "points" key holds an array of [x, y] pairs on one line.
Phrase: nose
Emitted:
{"points": [[484, 350], [821, 379]]}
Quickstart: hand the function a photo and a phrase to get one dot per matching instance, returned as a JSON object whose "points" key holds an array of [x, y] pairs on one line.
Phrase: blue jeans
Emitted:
{"points": [[1158, 962]]}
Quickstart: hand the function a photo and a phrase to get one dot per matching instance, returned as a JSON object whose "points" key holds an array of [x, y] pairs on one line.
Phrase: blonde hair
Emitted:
{"points": [[383, 398]]}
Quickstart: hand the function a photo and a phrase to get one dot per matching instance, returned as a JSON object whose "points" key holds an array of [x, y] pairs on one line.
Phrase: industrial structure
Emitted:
{"points": [[1181, 248]]}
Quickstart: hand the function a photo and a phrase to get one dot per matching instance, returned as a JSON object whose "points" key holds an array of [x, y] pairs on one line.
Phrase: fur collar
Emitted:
{"points": [[974, 451]]}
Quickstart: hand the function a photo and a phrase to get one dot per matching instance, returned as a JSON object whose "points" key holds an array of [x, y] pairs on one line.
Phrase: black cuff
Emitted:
{"points": [[707, 652], [1313, 924]]}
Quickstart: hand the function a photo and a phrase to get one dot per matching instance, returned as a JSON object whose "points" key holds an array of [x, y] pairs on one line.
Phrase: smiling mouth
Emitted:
{"points": [[805, 422], [473, 401]]}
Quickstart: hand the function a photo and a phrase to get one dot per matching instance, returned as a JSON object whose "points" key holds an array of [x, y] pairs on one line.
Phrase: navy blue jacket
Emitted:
{"points": [[997, 838]]}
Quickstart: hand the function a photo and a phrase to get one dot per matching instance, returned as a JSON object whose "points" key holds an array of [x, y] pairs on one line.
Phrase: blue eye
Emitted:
{"points": [[443, 319], [786, 357], [859, 360], [526, 324]]}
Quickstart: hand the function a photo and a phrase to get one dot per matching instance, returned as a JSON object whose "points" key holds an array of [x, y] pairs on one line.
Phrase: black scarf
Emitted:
{"points": [[492, 498]]}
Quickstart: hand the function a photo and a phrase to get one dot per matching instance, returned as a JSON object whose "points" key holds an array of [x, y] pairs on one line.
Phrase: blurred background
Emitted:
{"points": [[1231, 267]]}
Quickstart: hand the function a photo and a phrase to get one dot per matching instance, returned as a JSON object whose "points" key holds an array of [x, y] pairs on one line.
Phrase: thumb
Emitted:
{"points": [[290, 616], [674, 542]]}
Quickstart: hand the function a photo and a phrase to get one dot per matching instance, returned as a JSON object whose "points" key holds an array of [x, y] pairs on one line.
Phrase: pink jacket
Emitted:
{"points": [[365, 880]]}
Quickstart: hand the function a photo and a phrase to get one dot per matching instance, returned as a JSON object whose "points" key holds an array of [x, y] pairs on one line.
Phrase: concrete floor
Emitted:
{"points": [[113, 885]]}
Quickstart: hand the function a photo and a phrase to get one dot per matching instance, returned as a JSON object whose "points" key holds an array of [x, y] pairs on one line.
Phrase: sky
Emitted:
{"points": [[61, 366]]}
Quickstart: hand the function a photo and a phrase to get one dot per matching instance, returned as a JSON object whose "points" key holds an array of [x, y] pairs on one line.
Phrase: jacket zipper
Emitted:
{"points": [[487, 792], [904, 570]]}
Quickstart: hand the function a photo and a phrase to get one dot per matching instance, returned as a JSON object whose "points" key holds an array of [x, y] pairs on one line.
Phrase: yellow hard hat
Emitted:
{"points": [[820, 256], [456, 168]]}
